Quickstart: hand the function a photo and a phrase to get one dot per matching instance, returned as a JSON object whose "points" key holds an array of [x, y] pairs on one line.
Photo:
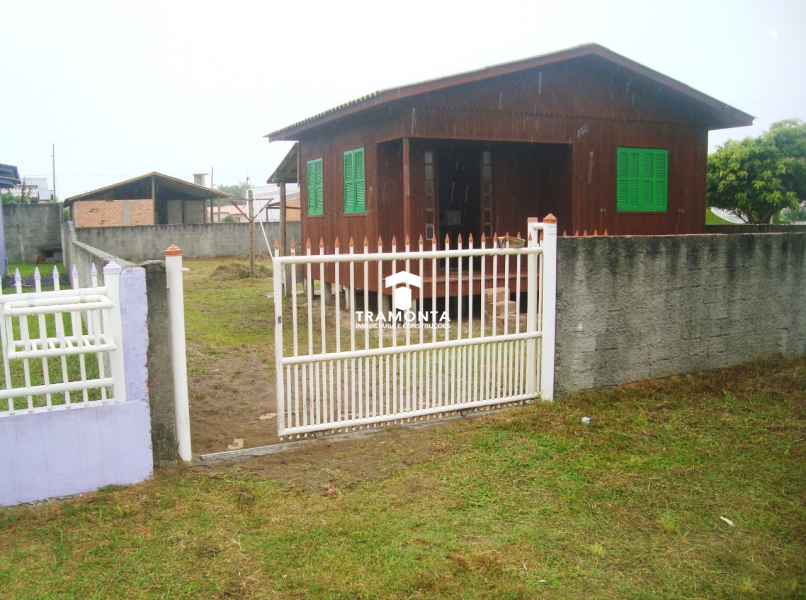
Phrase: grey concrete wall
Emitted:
{"points": [[64, 452], [160, 375], [31, 228], [657, 306], [150, 242]]}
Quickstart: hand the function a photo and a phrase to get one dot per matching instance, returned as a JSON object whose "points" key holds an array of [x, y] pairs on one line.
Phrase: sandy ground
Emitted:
{"points": [[226, 404]]}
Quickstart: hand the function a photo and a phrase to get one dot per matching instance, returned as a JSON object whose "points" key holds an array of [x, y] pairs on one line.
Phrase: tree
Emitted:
{"points": [[24, 196], [756, 177], [238, 191]]}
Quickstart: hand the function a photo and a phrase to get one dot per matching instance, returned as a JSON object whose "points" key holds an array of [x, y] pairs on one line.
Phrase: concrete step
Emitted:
{"points": [[503, 305]]}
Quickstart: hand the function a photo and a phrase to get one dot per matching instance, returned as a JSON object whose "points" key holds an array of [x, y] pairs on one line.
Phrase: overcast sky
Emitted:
{"points": [[125, 88]]}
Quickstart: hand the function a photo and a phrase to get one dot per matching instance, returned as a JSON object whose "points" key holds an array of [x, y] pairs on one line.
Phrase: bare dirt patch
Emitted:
{"points": [[331, 464], [227, 402]]}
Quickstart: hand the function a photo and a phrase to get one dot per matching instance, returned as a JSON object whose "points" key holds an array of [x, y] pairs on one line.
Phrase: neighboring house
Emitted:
{"points": [[262, 195], [36, 188], [595, 138], [153, 199], [219, 213], [271, 194], [9, 177]]}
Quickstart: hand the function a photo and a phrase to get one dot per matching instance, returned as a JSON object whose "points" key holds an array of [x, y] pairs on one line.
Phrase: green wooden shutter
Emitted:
{"points": [[661, 180], [349, 189], [622, 179], [310, 170], [315, 192], [641, 179], [633, 173], [360, 204]]}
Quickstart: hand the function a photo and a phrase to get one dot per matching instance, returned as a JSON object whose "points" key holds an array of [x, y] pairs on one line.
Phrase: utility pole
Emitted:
{"points": [[251, 217], [251, 196], [53, 156]]}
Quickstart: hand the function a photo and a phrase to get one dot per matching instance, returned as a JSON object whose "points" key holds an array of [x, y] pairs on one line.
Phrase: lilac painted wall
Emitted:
{"points": [[65, 452], [46, 455]]}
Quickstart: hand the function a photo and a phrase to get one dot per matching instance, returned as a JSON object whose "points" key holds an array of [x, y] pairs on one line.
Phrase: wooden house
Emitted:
{"points": [[598, 140]]}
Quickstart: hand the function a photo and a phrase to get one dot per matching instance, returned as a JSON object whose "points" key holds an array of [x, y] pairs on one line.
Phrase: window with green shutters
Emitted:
{"points": [[354, 187], [316, 196], [642, 179]]}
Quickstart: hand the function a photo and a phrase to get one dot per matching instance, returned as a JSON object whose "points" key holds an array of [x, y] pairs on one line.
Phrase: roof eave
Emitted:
{"points": [[736, 118], [88, 195]]}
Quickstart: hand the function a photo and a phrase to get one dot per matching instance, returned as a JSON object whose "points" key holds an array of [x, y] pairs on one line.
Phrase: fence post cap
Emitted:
{"points": [[550, 218], [532, 220], [112, 268], [173, 251]]}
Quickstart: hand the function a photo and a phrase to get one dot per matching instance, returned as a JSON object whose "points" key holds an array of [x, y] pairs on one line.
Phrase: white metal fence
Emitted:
{"points": [[472, 327], [62, 348]]}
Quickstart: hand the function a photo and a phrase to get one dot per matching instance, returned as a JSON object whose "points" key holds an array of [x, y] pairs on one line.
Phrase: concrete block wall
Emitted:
{"points": [[29, 229], [217, 239], [631, 308]]}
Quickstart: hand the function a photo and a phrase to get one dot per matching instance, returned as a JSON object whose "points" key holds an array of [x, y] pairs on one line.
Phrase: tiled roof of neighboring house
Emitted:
{"points": [[722, 114], [227, 209]]}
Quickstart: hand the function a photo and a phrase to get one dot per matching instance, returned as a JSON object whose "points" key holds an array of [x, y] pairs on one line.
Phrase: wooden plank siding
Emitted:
{"points": [[553, 132]]}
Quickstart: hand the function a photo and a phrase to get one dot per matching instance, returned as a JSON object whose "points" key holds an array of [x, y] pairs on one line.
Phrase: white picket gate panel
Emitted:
{"points": [[336, 373], [74, 357]]}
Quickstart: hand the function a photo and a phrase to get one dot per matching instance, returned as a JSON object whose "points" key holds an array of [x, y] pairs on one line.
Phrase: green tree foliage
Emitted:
{"points": [[238, 191], [757, 177]]}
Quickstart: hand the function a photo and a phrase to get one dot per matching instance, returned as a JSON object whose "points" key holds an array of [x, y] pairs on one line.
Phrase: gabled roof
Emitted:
{"points": [[140, 187], [726, 115]]}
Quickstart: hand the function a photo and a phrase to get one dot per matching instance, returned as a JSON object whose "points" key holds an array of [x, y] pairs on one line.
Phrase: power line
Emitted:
{"points": [[766, 85], [775, 92]]}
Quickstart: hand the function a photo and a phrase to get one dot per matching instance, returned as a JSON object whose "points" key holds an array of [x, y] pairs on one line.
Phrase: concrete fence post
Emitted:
{"points": [[160, 372], [548, 274], [176, 311]]}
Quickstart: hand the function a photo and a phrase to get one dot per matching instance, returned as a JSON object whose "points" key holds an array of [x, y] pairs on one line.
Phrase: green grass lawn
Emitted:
{"points": [[27, 270], [527, 503]]}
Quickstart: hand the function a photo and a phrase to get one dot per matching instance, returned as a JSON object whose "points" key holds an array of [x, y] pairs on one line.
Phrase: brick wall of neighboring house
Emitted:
{"points": [[113, 213]]}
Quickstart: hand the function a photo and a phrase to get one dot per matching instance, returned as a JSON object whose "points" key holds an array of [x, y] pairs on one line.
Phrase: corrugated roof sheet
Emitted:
{"points": [[397, 93]]}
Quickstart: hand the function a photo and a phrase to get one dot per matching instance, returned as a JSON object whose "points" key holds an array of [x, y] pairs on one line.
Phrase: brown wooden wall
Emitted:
{"points": [[553, 133]]}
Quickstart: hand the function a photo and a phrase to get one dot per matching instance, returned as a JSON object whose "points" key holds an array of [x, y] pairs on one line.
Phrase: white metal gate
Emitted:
{"points": [[458, 335]]}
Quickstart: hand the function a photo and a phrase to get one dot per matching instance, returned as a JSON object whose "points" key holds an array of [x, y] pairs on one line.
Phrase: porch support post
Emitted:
{"points": [[406, 189], [282, 233]]}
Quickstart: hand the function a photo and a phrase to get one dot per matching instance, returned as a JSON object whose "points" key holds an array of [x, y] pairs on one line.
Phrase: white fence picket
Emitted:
{"points": [[72, 325]]}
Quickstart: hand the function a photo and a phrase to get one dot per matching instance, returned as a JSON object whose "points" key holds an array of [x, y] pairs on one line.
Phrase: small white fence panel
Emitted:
{"points": [[440, 348], [62, 348]]}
